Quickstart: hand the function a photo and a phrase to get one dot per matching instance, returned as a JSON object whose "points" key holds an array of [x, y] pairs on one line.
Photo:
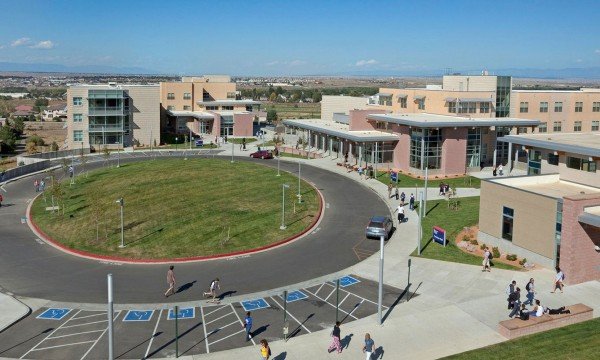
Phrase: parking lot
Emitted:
{"points": [[63, 333]]}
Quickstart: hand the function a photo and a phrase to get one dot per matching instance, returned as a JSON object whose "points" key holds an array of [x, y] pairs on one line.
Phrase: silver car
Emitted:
{"points": [[378, 226]]}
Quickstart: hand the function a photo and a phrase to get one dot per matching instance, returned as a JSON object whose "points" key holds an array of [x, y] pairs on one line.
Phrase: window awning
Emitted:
{"points": [[384, 94], [469, 100], [401, 96], [419, 97]]}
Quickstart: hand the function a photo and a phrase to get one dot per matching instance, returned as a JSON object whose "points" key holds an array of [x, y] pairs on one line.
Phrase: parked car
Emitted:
{"points": [[262, 154], [199, 142], [379, 225]]}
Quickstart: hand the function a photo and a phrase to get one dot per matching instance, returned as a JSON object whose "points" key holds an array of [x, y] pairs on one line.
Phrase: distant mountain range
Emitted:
{"points": [[84, 69]]}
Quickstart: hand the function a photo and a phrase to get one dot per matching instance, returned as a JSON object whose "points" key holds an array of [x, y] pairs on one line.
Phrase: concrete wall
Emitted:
{"points": [[454, 150], [145, 122], [77, 109], [534, 218], [578, 258], [402, 149], [470, 83], [340, 104], [178, 89]]}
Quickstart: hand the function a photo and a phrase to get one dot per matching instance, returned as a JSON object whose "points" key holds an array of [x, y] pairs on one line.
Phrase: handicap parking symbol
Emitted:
{"points": [[54, 314], [347, 281], [295, 296], [138, 315], [250, 305], [183, 313]]}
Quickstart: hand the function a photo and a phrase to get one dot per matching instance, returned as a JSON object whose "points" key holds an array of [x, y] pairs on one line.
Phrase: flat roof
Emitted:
{"points": [[582, 90], [340, 130], [547, 185], [229, 102], [195, 114], [590, 216], [579, 143], [113, 87], [425, 120]]}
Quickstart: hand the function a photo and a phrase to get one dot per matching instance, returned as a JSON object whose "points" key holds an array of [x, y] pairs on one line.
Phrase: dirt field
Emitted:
{"points": [[295, 111], [49, 131]]}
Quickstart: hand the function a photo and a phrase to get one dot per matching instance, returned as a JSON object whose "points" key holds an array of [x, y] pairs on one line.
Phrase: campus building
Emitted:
{"points": [[553, 218], [112, 115]]}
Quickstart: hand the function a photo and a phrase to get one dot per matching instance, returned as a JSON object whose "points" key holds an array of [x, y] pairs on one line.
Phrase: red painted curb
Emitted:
{"points": [[93, 256]]}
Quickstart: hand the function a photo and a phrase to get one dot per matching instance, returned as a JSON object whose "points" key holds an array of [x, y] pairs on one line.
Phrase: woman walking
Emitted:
{"points": [[265, 350], [369, 346], [335, 343], [486, 260], [558, 280]]}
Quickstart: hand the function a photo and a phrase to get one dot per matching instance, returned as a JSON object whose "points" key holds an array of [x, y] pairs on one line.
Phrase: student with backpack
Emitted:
{"points": [[510, 289], [530, 287]]}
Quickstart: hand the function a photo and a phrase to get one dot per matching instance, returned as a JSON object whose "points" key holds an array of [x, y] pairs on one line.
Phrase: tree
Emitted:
{"points": [[41, 102], [317, 96], [31, 148], [271, 116], [54, 146], [273, 96], [83, 161], [8, 137], [106, 154], [279, 90]]}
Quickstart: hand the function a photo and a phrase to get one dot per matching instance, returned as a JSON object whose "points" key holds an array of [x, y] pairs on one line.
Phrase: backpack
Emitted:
{"points": [[524, 315], [528, 286], [269, 350], [490, 256], [508, 290]]}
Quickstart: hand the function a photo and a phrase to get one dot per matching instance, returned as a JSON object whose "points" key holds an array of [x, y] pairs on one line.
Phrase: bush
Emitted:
{"points": [[511, 257], [54, 146], [474, 242], [496, 252], [466, 238], [523, 261], [483, 246], [38, 141]]}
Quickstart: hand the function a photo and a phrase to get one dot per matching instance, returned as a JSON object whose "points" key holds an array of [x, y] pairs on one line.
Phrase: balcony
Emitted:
{"points": [[108, 111], [105, 128]]}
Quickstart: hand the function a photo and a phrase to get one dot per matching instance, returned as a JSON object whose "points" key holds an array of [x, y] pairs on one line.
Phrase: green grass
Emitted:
{"points": [[578, 341], [453, 221], [239, 140], [294, 111], [177, 208], [408, 181]]}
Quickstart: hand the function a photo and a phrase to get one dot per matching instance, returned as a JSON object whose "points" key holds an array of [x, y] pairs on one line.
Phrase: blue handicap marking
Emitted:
{"points": [[138, 315], [54, 314], [250, 305], [295, 296], [183, 313], [347, 281]]}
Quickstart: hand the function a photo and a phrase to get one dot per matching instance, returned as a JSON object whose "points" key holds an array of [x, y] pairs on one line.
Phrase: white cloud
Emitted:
{"points": [[578, 60], [366, 62], [21, 42], [597, 51], [46, 44], [297, 62], [273, 63]]}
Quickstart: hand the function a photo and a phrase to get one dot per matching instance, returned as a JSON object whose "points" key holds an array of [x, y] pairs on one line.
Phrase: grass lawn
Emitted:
{"points": [[453, 221], [239, 140], [578, 341], [177, 208], [408, 181], [295, 111]]}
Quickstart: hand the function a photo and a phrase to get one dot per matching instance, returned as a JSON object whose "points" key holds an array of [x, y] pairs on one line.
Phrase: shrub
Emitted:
{"points": [[466, 238], [54, 146], [474, 242], [38, 141], [483, 246], [496, 252], [522, 261], [511, 257]]}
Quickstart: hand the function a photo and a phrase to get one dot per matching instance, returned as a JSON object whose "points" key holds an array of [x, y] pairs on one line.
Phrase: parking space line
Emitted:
{"points": [[63, 345], [204, 326], [340, 303], [153, 334], [320, 298], [219, 318], [60, 326], [228, 336], [88, 316], [331, 293], [358, 296], [320, 287], [292, 316], [240, 319], [356, 307], [93, 322], [223, 327], [222, 307], [79, 333], [99, 337]]}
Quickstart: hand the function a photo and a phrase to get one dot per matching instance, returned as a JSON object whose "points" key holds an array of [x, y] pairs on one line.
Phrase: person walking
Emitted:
{"points": [[396, 193], [500, 170], [170, 281], [214, 286], [1, 199], [412, 202], [360, 172], [516, 302], [486, 260], [402, 198], [335, 342], [389, 190], [558, 280], [510, 289], [400, 210], [265, 350], [42, 185], [530, 288], [369, 346], [248, 326], [36, 185]]}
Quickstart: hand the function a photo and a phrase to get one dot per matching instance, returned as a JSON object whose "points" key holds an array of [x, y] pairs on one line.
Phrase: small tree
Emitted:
{"points": [[31, 148], [97, 210], [106, 154], [271, 116], [83, 162], [54, 146]]}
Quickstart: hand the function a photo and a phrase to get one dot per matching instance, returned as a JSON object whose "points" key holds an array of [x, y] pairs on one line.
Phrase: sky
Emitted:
{"points": [[302, 37]]}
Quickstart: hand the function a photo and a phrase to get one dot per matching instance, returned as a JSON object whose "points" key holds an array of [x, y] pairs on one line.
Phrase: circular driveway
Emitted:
{"points": [[31, 268]]}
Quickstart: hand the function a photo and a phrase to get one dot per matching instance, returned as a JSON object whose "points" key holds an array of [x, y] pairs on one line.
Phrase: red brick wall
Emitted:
{"points": [[358, 119], [242, 124], [578, 259], [402, 149], [454, 150]]}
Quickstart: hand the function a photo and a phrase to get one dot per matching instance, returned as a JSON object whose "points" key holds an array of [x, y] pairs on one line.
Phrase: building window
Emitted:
{"points": [[231, 95], [522, 130], [227, 107], [463, 107], [385, 100], [579, 106], [402, 102], [187, 96], [577, 126], [380, 125], [187, 107], [452, 107], [558, 232], [581, 164], [484, 107], [421, 104], [524, 107], [596, 106], [77, 135], [544, 107], [227, 125], [557, 126], [543, 127], [552, 159], [474, 147], [507, 223], [430, 141], [77, 117], [535, 162], [171, 96], [558, 106], [211, 107], [472, 108], [595, 125], [77, 101], [170, 107]]}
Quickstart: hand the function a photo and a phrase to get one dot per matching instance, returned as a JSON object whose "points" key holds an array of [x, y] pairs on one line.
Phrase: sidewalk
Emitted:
{"points": [[11, 311]]}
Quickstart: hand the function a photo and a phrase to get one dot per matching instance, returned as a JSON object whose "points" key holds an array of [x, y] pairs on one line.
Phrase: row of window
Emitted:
{"points": [[558, 106], [468, 107], [577, 126], [186, 96], [403, 102]]}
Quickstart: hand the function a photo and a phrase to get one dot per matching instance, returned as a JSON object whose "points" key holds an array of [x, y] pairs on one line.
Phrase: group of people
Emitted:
{"points": [[39, 185], [518, 308], [400, 208], [336, 344], [212, 291], [444, 189]]}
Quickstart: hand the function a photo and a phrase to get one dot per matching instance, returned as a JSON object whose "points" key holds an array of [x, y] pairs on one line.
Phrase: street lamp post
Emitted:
{"points": [[283, 227], [420, 235], [121, 203], [176, 142], [299, 195], [380, 298]]}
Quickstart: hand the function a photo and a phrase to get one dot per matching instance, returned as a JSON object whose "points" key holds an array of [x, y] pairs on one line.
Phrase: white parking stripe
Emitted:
{"points": [[205, 334], [153, 333], [360, 297], [331, 293], [89, 316], [220, 308], [79, 333], [90, 323], [99, 337], [219, 318], [318, 297], [320, 287], [63, 345], [344, 299], [30, 350], [228, 336], [240, 319], [292, 316], [356, 307]]}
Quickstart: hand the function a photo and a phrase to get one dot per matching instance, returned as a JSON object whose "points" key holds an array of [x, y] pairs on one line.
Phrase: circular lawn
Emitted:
{"points": [[175, 209]]}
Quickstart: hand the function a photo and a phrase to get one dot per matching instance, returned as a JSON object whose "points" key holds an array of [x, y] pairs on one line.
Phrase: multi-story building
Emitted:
{"points": [[552, 219], [559, 110], [112, 116]]}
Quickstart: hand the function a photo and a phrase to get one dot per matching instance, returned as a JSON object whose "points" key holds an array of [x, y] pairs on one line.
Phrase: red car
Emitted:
{"points": [[262, 154]]}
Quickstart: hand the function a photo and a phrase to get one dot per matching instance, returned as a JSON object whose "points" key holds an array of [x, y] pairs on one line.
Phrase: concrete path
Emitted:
{"points": [[11, 311]]}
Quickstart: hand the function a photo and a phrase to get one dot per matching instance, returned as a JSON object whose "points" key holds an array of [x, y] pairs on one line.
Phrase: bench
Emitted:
{"points": [[514, 328]]}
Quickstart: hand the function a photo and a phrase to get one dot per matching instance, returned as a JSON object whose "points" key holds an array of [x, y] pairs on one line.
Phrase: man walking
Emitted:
{"points": [[248, 326], [412, 202], [510, 289], [400, 210], [170, 281], [402, 198], [486, 260], [516, 301], [530, 287], [389, 190], [396, 193], [214, 286]]}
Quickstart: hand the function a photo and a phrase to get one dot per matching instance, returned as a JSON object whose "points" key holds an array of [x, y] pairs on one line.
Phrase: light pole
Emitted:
{"points": [[176, 142], [420, 235], [232, 150], [380, 299], [121, 203], [299, 195], [283, 227], [425, 198], [118, 155], [110, 317], [278, 157]]}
